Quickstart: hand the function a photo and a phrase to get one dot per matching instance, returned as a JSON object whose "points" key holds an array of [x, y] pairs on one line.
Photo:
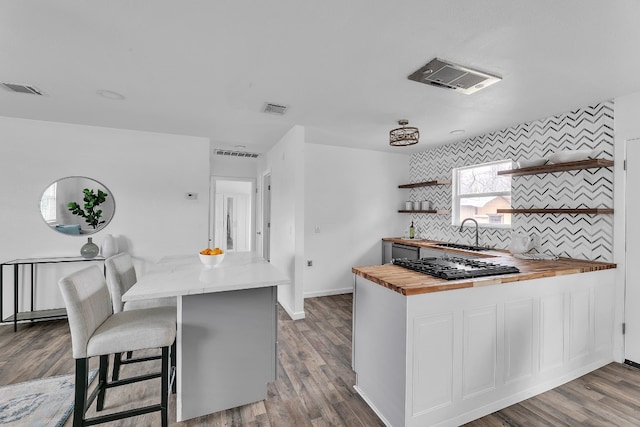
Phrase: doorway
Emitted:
{"points": [[233, 222]]}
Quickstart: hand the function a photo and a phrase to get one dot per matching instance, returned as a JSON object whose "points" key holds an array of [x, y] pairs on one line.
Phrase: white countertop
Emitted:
{"points": [[186, 275]]}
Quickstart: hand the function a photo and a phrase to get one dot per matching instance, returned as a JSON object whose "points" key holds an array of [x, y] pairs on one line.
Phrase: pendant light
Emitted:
{"points": [[403, 135]]}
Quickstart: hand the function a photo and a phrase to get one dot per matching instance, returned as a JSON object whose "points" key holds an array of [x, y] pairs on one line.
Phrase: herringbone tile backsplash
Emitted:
{"points": [[568, 235]]}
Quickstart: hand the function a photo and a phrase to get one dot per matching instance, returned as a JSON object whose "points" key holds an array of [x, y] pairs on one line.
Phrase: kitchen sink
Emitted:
{"points": [[464, 247]]}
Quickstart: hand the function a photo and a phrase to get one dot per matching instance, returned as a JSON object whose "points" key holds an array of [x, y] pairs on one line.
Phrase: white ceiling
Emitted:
{"points": [[206, 68]]}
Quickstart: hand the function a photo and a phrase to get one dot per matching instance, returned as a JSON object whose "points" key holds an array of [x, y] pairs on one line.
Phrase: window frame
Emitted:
{"points": [[456, 196], [48, 207]]}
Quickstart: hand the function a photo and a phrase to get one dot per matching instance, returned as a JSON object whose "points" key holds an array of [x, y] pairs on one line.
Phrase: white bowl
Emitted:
{"points": [[533, 161], [211, 261], [569, 156]]}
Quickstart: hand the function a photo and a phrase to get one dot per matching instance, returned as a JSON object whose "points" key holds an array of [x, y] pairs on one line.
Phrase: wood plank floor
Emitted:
{"points": [[315, 381]]}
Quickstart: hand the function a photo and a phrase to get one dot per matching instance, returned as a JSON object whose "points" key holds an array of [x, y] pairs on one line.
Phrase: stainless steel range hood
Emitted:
{"points": [[448, 75]]}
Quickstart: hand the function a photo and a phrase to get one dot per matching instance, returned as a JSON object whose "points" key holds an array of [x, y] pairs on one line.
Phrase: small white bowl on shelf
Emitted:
{"points": [[565, 156], [211, 261], [531, 162]]}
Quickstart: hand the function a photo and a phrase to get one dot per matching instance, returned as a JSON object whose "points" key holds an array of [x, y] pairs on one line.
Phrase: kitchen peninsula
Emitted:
{"points": [[227, 328], [428, 351]]}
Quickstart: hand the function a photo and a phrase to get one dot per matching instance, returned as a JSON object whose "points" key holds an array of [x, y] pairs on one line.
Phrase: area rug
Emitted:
{"points": [[42, 402]]}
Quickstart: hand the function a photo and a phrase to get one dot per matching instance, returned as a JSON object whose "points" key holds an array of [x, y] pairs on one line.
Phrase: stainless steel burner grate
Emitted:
{"points": [[454, 268]]}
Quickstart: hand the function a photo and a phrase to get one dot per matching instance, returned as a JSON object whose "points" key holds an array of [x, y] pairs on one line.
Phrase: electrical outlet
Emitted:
{"points": [[309, 263]]}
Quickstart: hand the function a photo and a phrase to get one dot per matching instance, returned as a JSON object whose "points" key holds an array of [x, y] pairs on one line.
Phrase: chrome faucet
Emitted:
{"points": [[470, 219]]}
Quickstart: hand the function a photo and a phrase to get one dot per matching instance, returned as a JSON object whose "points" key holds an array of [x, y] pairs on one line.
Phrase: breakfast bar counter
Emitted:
{"points": [[409, 282], [185, 275], [226, 330], [429, 351]]}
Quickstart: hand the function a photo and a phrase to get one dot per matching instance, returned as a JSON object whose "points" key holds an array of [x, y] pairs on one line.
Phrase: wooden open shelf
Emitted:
{"points": [[426, 183], [590, 211], [559, 167], [433, 211]]}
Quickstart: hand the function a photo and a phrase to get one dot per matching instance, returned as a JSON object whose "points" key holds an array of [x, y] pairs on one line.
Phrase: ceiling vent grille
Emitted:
{"points": [[233, 153], [274, 108], [13, 87], [448, 75]]}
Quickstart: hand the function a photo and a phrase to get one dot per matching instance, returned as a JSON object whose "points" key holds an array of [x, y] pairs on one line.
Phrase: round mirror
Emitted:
{"points": [[77, 205]]}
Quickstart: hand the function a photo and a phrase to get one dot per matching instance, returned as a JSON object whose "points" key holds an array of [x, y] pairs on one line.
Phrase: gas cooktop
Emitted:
{"points": [[453, 268]]}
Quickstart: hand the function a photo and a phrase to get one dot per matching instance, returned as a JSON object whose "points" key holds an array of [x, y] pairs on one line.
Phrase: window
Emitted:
{"points": [[478, 191], [48, 204]]}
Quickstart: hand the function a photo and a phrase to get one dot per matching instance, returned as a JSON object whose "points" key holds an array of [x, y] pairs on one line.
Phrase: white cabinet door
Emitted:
{"points": [[632, 294]]}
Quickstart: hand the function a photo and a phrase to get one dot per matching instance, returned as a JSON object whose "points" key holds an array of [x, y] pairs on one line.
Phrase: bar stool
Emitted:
{"points": [[121, 276], [97, 331]]}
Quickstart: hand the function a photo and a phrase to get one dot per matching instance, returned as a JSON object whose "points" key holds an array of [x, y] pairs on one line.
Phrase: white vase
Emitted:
{"points": [[109, 246]]}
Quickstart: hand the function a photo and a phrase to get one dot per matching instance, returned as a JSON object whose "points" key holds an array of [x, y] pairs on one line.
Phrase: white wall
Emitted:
{"points": [[147, 173], [627, 126], [239, 167], [285, 162], [351, 202]]}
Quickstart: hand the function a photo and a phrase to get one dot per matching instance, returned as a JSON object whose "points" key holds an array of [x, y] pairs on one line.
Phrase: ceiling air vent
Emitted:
{"points": [[13, 87], [233, 153], [441, 73], [274, 108]]}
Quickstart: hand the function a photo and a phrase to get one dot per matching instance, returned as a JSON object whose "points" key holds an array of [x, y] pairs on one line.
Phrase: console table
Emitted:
{"points": [[32, 262]]}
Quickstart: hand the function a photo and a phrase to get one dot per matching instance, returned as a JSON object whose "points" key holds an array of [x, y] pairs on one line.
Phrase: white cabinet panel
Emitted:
{"points": [[579, 324], [479, 350], [603, 340], [519, 330], [432, 362], [552, 332]]}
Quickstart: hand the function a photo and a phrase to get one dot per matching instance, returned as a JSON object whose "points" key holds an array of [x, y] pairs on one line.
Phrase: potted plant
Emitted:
{"points": [[91, 200]]}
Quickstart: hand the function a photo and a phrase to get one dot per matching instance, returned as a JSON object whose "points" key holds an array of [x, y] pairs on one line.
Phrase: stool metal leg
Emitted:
{"points": [[82, 377], [102, 381], [164, 398], [117, 361]]}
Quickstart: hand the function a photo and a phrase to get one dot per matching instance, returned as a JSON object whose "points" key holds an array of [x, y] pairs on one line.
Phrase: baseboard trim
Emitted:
{"points": [[294, 315], [329, 292], [371, 405], [530, 392]]}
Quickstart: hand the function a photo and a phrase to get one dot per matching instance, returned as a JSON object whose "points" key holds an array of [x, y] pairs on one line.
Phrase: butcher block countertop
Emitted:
{"points": [[408, 282]]}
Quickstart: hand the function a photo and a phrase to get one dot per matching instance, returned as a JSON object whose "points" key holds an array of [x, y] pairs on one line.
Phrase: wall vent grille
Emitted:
{"points": [[274, 108], [14, 87], [234, 153]]}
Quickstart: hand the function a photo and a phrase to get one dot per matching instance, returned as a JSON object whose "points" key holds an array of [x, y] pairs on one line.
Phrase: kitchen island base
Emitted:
{"points": [[226, 350], [446, 358]]}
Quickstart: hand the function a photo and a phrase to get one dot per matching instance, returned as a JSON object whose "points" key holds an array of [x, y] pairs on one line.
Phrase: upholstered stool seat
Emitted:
{"points": [[97, 331], [132, 330]]}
